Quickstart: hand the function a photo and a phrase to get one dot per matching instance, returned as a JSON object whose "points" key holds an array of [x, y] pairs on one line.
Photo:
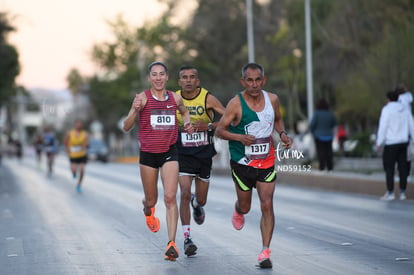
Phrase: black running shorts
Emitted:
{"points": [[194, 166], [246, 176], [79, 160], [156, 160]]}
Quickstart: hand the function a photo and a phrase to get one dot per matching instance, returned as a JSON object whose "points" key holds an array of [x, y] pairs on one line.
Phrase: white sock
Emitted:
{"points": [[186, 231], [195, 203]]}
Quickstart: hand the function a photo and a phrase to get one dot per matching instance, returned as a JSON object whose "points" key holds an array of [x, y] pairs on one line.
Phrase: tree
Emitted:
{"points": [[216, 44], [9, 64], [75, 81], [349, 67], [385, 66], [368, 49], [124, 61], [353, 53]]}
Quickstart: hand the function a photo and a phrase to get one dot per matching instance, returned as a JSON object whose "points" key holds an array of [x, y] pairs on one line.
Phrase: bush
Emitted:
{"points": [[364, 146]]}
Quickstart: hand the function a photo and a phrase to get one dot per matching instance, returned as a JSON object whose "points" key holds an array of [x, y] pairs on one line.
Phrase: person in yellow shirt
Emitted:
{"points": [[195, 151], [76, 142]]}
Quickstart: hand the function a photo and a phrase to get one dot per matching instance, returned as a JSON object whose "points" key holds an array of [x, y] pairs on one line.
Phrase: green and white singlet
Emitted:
{"points": [[259, 124]]}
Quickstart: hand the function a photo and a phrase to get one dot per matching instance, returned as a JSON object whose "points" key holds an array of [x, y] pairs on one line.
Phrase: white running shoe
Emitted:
{"points": [[402, 196], [388, 197]]}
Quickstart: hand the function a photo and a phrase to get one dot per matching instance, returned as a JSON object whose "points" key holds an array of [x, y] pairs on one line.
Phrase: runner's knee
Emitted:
{"points": [[186, 195], [170, 200]]}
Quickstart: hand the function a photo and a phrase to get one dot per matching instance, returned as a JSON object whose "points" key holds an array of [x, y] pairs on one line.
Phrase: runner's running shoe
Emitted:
{"points": [[153, 222], [171, 253], [78, 188], [263, 261], [237, 220], [198, 212], [189, 247]]}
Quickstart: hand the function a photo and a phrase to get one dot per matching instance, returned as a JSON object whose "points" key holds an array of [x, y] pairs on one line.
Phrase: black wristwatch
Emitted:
{"points": [[210, 126], [282, 132]]}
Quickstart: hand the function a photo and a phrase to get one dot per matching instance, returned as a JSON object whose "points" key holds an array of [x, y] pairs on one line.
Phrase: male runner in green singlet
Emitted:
{"points": [[248, 123]]}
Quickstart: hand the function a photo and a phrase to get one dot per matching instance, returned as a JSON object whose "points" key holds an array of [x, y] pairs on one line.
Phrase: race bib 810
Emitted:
{"points": [[162, 119]]}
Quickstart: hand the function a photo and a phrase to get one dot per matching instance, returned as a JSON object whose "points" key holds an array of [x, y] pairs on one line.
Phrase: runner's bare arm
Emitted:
{"points": [[212, 105], [215, 104], [232, 116], [137, 105], [279, 125], [184, 113], [86, 144]]}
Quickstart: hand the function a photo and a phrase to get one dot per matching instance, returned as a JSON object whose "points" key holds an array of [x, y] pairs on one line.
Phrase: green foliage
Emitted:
{"points": [[364, 147], [75, 81], [361, 49], [9, 63], [217, 37], [363, 91], [110, 99], [118, 55]]}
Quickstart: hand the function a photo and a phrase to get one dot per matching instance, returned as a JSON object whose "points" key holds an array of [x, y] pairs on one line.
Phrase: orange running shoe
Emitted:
{"points": [[263, 261], [237, 220], [153, 222], [171, 252]]}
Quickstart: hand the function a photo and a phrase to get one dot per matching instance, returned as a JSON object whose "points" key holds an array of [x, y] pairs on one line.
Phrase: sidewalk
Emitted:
{"points": [[343, 182], [351, 175], [360, 176]]}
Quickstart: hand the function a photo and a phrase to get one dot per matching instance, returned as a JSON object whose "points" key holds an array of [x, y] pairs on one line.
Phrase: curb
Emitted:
{"points": [[348, 183], [337, 181]]}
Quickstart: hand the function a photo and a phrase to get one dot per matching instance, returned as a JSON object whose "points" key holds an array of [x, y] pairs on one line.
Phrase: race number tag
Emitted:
{"points": [[163, 119], [49, 149], [75, 149], [194, 139], [259, 149]]}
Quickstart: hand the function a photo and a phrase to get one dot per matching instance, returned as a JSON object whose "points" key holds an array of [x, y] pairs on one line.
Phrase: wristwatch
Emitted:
{"points": [[210, 126], [282, 132]]}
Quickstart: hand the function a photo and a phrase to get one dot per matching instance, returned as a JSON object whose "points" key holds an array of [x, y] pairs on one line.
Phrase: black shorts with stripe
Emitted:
{"points": [[246, 176], [195, 166]]}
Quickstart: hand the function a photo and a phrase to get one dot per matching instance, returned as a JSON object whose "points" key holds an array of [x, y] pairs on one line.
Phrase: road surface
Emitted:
{"points": [[47, 228]]}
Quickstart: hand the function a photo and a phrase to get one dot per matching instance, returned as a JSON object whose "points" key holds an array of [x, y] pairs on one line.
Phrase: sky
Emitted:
{"points": [[54, 36]]}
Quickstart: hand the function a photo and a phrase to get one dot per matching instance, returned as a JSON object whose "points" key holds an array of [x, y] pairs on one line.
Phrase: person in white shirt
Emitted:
{"points": [[404, 96], [396, 125]]}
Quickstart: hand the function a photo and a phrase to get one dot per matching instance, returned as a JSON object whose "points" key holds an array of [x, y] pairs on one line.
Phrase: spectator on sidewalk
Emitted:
{"points": [[404, 96], [396, 125], [322, 128], [38, 146], [342, 136]]}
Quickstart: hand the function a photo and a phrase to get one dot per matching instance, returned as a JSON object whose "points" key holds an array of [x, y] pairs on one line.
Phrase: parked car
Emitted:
{"points": [[98, 150]]}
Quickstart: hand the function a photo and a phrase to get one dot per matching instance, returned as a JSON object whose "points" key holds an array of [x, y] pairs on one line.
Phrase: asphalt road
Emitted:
{"points": [[47, 228]]}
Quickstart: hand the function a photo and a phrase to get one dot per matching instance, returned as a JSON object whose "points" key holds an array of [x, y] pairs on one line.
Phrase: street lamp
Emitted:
{"points": [[309, 76], [250, 37]]}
